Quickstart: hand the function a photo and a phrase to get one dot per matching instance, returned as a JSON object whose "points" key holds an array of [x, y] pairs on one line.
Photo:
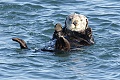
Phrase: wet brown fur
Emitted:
{"points": [[22, 43]]}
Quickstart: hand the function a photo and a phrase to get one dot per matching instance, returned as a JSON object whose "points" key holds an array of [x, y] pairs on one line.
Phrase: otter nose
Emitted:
{"points": [[75, 22]]}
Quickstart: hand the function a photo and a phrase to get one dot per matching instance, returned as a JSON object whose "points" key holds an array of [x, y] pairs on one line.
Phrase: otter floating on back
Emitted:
{"points": [[75, 34]]}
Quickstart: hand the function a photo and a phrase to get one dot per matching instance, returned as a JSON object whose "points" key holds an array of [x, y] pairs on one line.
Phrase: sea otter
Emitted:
{"points": [[75, 34]]}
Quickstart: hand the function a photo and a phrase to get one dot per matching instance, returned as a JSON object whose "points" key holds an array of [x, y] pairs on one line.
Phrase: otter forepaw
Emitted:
{"points": [[62, 44], [58, 31]]}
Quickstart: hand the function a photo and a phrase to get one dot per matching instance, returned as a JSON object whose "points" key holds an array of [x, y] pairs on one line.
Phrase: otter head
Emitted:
{"points": [[76, 22]]}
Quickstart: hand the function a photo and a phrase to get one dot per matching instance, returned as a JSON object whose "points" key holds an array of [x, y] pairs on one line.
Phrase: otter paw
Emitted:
{"points": [[58, 31], [62, 44]]}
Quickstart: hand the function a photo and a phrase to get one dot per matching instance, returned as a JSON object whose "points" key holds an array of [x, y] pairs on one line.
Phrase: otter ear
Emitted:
{"points": [[86, 23], [65, 22]]}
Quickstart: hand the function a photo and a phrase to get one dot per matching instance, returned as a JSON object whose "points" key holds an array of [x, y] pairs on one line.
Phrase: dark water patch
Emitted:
{"points": [[34, 7], [23, 0], [23, 7], [9, 6], [108, 55], [105, 24], [114, 25]]}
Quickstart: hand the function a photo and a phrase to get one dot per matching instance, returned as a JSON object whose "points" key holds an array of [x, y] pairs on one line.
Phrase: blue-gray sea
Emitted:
{"points": [[34, 20]]}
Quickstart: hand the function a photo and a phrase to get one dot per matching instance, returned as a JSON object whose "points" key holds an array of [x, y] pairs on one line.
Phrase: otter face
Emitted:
{"points": [[76, 22]]}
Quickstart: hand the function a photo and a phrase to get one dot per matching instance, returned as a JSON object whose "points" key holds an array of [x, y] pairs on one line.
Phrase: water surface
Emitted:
{"points": [[34, 20]]}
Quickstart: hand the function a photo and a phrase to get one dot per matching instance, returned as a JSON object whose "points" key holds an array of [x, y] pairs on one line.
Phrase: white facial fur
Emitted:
{"points": [[76, 22]]}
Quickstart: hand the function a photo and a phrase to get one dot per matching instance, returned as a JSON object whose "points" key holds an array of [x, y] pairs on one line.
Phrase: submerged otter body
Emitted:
{"points": [[75, 34]]}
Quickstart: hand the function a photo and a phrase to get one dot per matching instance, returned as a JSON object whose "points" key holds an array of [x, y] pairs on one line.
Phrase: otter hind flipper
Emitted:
{"points": [[22, 43]]}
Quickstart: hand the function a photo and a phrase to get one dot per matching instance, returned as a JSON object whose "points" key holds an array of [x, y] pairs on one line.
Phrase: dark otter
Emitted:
{"points": [[76, 32], [73, 36], [65, 40]]}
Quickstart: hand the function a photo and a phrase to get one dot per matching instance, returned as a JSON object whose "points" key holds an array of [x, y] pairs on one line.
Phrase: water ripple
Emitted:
{"points": [[34, 20]]}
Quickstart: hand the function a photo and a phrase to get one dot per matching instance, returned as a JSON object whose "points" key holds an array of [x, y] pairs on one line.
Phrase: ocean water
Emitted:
{"points": [[34, 20]]}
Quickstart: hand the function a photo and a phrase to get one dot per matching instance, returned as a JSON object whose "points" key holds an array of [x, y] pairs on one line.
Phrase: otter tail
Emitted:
{"points": [[22, 43]]}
